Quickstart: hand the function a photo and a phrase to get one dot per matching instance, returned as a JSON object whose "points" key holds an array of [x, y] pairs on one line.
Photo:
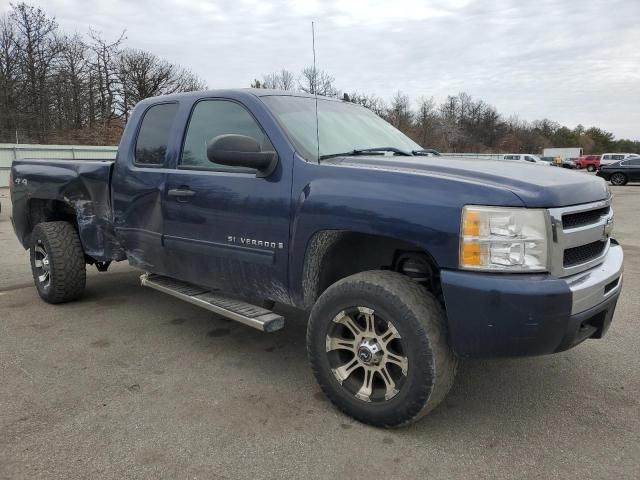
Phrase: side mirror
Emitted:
{"points": [[241, 151]]}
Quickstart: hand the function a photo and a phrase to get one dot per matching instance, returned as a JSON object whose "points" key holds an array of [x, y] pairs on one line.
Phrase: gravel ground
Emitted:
{"points": [[131, 383]]}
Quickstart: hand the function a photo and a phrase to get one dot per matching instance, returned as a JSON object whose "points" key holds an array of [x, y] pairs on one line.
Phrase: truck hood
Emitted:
{"points": [[536, 185]]}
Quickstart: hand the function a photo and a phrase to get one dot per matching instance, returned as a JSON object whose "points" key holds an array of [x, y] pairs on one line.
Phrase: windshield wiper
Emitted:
{"points": [[364, 151], [426, 152]]}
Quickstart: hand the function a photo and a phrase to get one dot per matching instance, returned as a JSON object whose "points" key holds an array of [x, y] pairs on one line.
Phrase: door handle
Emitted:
{"points": [[182, 194]]}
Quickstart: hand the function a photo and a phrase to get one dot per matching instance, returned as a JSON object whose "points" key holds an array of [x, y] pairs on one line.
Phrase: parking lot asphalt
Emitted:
{"points": [[130, 383]]}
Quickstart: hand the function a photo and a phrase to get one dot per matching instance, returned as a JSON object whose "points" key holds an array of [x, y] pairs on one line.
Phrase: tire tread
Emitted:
{"points": [[68, 271]]}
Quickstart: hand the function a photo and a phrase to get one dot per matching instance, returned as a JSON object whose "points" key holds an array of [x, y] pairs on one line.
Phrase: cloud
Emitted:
{"points": [[574, 61]]}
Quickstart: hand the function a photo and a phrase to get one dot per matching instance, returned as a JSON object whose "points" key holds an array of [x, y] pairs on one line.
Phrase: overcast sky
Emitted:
{"points": [[573, 61]]}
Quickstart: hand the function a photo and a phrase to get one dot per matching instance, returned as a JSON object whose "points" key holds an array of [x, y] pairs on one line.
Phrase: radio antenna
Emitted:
{"points": [[314, 85]]}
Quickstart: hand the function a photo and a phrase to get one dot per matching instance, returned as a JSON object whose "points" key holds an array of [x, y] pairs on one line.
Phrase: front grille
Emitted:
{"points": [[583, 253], [580, 219]]}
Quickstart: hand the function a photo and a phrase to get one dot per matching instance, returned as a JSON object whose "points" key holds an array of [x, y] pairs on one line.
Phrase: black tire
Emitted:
{"points": [[618, 179], [591, 168], [57, 262], [420, 322]]}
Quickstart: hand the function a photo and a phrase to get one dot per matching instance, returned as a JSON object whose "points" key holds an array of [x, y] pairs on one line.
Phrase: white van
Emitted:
{"points": [[525, 157], [610, 158]]}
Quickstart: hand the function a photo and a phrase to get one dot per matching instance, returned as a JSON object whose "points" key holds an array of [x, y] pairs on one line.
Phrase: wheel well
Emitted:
{"points": [[333, 255], [42, 210]]}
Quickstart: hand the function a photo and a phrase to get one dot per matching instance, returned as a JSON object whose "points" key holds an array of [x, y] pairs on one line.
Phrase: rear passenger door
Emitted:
{"points": [[138, 185], [224, 227]]}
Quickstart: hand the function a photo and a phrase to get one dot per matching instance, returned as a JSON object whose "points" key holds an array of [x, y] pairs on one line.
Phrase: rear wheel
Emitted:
{"points": [[591, 168], [618, 179], [378, 347], [57, 262]]}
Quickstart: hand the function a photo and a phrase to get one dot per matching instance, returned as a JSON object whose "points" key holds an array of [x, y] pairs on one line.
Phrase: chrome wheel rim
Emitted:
{"points": [[42, 265], [366, 354], [617, 179]]}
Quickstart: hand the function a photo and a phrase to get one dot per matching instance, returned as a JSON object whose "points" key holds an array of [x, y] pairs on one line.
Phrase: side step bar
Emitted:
{"points": [[250, 315]]}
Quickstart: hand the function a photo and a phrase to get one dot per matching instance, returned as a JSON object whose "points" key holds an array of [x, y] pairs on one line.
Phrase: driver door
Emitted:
{"points": [[224, 227]]}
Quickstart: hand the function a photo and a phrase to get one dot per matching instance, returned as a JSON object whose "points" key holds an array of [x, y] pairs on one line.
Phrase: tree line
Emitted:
{"points": [[57, 87], [460, 123], [65, 88]]}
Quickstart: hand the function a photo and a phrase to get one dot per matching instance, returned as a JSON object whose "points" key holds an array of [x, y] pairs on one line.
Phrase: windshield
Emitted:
{"points": [[342, 127]]}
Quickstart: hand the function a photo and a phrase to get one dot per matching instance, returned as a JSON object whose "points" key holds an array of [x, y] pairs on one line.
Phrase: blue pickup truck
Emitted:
{"points": [[234, 200]]}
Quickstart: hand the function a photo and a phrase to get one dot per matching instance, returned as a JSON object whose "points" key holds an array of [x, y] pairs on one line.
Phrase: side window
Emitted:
{"points": [[211, 118], [153, 137], [606, 157], [635, 162], [618, 157]]}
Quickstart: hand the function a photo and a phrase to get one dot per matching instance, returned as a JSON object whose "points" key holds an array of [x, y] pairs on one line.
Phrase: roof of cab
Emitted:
{"points": [[234, 93]]}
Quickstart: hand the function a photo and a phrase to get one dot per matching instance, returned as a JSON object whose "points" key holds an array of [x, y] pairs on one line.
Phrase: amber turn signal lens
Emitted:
{"points": [[471, 254], [471, 226]]}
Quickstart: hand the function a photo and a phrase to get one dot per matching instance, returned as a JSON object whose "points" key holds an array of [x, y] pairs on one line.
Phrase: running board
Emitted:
{"points": [[246, 313]]}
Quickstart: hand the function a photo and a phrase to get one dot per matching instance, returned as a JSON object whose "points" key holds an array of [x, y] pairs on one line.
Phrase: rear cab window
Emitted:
{"points": [[153, 136]]}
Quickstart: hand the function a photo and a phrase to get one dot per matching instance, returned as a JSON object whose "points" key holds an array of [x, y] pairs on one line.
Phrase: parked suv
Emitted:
{"points": [[590, 162], [610, 158]]}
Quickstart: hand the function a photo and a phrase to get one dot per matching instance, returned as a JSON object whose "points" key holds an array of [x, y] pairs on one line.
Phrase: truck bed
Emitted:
{"points": [[77, 190]]}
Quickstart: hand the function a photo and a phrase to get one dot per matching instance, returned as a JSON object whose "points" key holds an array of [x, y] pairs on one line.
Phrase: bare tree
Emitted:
{"points": [[73, 80], [399, 113], [426, 120], [103, 80], [9, 76], [372, 102], [143, 74], [317, 82], [38, 47], [282, 80]]}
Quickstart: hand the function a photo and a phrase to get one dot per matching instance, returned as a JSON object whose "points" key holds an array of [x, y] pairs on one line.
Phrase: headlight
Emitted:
{"points": [[503, 239]]}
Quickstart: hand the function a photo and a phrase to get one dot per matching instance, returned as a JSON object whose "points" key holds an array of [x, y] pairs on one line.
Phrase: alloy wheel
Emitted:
{"points": [[367, 355], [42, 263], [618, 179]]}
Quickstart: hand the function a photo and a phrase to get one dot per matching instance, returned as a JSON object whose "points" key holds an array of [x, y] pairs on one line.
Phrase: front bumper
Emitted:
{"points": [[497, 315]]}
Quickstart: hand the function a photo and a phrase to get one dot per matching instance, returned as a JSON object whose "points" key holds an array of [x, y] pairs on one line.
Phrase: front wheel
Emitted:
{"points": [[57, 262], [377, 343], [591, 168], [618, 179]]}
